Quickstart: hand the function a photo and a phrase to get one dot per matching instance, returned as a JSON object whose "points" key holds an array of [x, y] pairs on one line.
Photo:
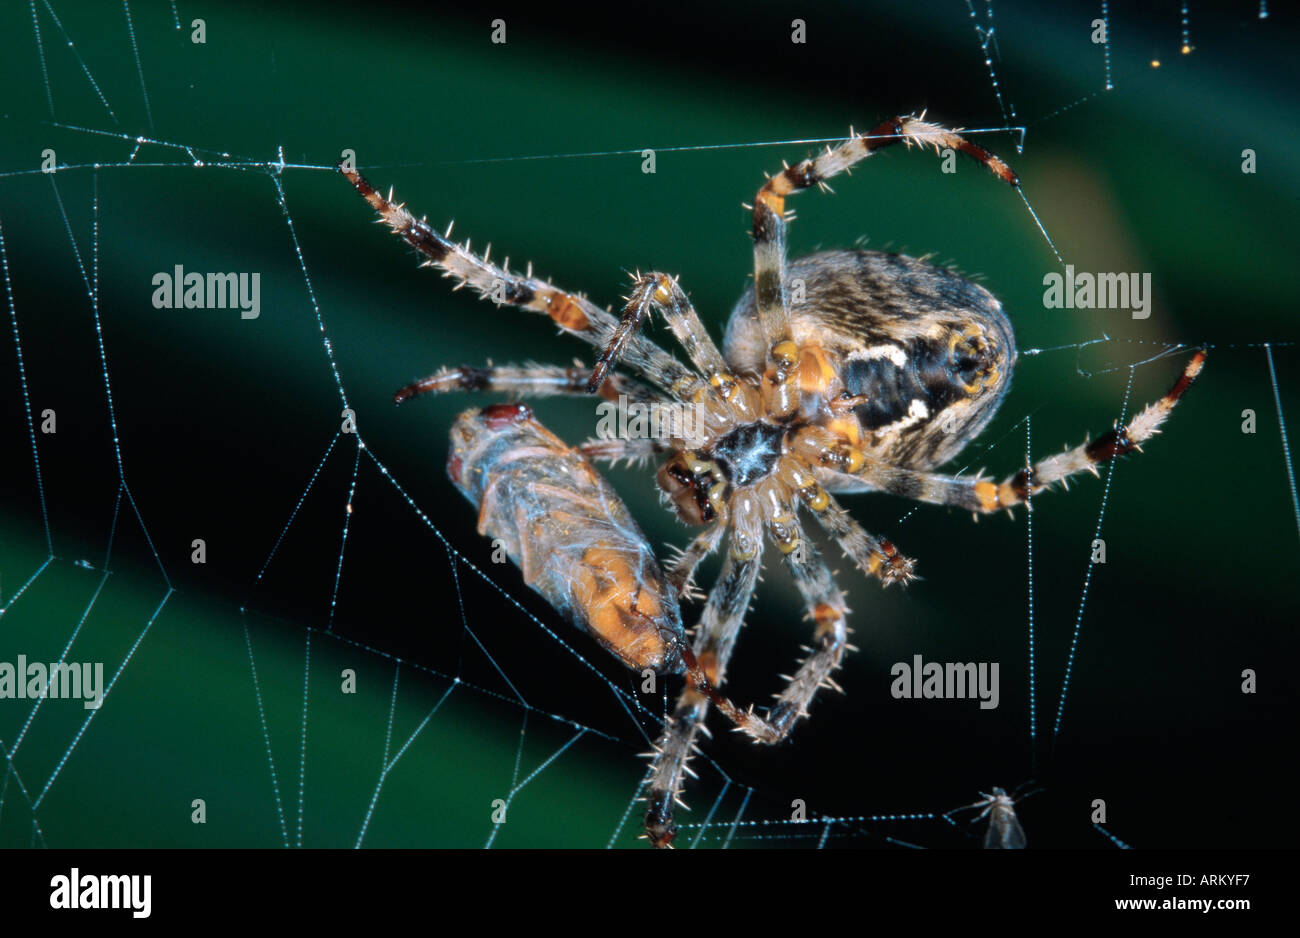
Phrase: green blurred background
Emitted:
{"points": [[223, 422]]}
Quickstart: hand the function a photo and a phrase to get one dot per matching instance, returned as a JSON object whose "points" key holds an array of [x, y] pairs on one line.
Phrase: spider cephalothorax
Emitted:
{"points": [[841, 372]]}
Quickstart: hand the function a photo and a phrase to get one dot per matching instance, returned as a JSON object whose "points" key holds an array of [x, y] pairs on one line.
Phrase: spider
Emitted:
{"points": [[840, 372]]}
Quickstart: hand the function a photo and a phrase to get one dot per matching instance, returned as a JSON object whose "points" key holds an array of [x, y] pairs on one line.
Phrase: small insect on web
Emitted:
{"points": [[1004, 831]]}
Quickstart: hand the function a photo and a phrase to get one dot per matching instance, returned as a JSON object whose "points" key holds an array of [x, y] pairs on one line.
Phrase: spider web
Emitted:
{"points": [[336, 552]]}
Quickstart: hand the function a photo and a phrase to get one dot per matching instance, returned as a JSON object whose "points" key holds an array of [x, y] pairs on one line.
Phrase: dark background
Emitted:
{"points": [[222, 422]]}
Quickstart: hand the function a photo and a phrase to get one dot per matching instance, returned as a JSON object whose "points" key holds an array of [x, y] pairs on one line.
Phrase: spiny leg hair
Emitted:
{"points": [[982, 496], [574, 314], [769, 216]]}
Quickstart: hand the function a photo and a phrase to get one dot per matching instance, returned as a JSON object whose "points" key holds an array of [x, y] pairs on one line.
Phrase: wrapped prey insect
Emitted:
{"points": [[575, 542]]}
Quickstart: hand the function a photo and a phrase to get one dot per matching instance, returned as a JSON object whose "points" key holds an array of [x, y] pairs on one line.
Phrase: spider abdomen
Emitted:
{"points": [[923, 355]]}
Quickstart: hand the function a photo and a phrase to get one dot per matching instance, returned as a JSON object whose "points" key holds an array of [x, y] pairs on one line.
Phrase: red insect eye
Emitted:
{"points": [[502, 415], [454, 467]]}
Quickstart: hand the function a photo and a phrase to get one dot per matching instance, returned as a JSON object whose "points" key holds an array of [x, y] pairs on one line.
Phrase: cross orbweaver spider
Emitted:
{"points": [[840, 372]]}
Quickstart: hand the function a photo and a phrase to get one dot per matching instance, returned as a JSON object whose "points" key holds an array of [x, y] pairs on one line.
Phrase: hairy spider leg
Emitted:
{"points": [[530, 379], [877, 557], [851, 471], [715, 640], [788, 365], [573, 313], [662, 292], [681, 572], [826, 608]]}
